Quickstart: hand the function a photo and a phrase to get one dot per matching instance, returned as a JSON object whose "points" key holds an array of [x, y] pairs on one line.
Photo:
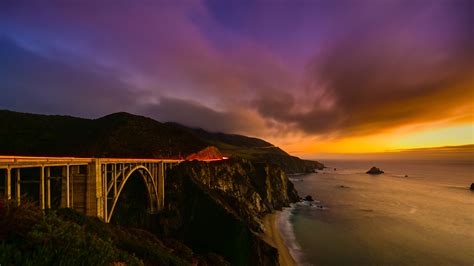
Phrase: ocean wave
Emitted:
{"points": [[308, 203], [292, 179], [288, 234]]}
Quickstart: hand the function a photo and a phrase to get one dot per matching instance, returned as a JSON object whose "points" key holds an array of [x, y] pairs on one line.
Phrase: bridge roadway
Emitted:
{"points": [[90, 185]]}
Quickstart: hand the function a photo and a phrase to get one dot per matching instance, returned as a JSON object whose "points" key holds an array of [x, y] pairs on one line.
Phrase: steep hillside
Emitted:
{"points": [[127, 135], [254, 149], [115, 135], [30, 236]]}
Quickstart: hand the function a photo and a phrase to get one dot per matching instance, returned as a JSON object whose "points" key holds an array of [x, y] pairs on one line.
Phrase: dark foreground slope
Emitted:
{"points": [[64, 237], [127, 135]]}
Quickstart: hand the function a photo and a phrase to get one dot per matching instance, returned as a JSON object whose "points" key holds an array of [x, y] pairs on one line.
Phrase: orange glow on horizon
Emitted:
{"points": [[401, 139]]}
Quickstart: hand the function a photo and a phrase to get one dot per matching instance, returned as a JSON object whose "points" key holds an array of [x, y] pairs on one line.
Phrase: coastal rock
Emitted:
{"points": [[375, 171], [204, 200], [289, 164], [472, 187], [308, 198]]}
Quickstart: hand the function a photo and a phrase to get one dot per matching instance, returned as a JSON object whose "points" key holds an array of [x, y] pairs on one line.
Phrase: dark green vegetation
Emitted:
{"points": [[212, 210], [115, 135], [127, 135], [65, 237]]}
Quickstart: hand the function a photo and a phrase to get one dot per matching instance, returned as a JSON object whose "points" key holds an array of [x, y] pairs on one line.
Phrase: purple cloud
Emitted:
{"points": [[342, 68]]}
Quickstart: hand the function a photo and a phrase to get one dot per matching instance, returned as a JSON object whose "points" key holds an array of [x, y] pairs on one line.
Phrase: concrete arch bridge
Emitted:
{"points": [[90, 185]]}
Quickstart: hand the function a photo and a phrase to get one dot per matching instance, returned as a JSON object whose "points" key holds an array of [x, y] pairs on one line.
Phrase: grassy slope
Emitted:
{"points": [[65, 237], [253, 149]]}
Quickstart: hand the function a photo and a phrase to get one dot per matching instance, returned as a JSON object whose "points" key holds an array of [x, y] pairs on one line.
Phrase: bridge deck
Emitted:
{"points": [[33, 161], [89, 185]]}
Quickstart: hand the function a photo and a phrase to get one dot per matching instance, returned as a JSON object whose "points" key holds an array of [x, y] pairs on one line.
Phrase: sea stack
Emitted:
{"points": [[375, 171], [472, 187], [308, 198]]}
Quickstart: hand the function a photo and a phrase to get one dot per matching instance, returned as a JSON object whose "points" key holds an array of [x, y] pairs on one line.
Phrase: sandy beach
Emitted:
{"points": [[273, 237]]}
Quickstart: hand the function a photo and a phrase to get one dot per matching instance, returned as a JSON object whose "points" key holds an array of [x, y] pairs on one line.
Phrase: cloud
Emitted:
{"points": [[387, 70], [318, 68], [167, 49], [194, 114], [38, 84], [33, 83]]}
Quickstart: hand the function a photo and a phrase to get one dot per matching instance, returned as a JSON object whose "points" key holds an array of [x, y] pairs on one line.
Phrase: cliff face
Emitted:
{"points": [[292, 164], [215, 207]]}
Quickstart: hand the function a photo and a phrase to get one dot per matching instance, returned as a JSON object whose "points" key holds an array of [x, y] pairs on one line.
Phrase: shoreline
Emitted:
{"points": [[272, 235]]}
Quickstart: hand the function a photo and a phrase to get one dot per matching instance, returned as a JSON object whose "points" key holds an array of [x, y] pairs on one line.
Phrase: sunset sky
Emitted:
{"points": [[309, 76]]}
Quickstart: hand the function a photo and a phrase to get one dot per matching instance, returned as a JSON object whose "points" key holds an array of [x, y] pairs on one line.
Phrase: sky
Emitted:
{"points": [[311, 76]]}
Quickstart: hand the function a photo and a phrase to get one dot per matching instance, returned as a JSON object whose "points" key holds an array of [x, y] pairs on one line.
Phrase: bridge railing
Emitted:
{"points": [[90, 185], [83, 183]]}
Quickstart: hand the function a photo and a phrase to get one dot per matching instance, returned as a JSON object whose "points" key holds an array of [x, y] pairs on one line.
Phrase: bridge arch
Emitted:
{"points": [[150, 184]]}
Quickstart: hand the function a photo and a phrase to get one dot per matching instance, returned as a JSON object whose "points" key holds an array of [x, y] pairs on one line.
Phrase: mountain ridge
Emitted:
{"points": [[127, 135]]}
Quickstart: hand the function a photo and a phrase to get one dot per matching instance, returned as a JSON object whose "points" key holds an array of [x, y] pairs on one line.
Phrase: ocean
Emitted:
{"points": [[426, 218]]}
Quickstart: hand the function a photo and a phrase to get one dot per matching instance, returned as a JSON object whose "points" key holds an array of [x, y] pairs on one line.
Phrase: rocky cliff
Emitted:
{"points": [[291, 164], [216, 207]]}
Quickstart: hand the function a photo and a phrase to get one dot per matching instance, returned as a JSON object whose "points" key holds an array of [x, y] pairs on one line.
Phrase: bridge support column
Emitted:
{"points": [[161, 185], [17, 186], [8, 184], [65, 197], [42, 196], [48, 187], [104, 186], [94, 191], [68, 196]]}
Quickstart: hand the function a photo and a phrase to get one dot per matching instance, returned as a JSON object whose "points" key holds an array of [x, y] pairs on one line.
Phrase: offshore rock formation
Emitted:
{"points": [[216, 207], [308, 198], [374, 171], [472, 187]]}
